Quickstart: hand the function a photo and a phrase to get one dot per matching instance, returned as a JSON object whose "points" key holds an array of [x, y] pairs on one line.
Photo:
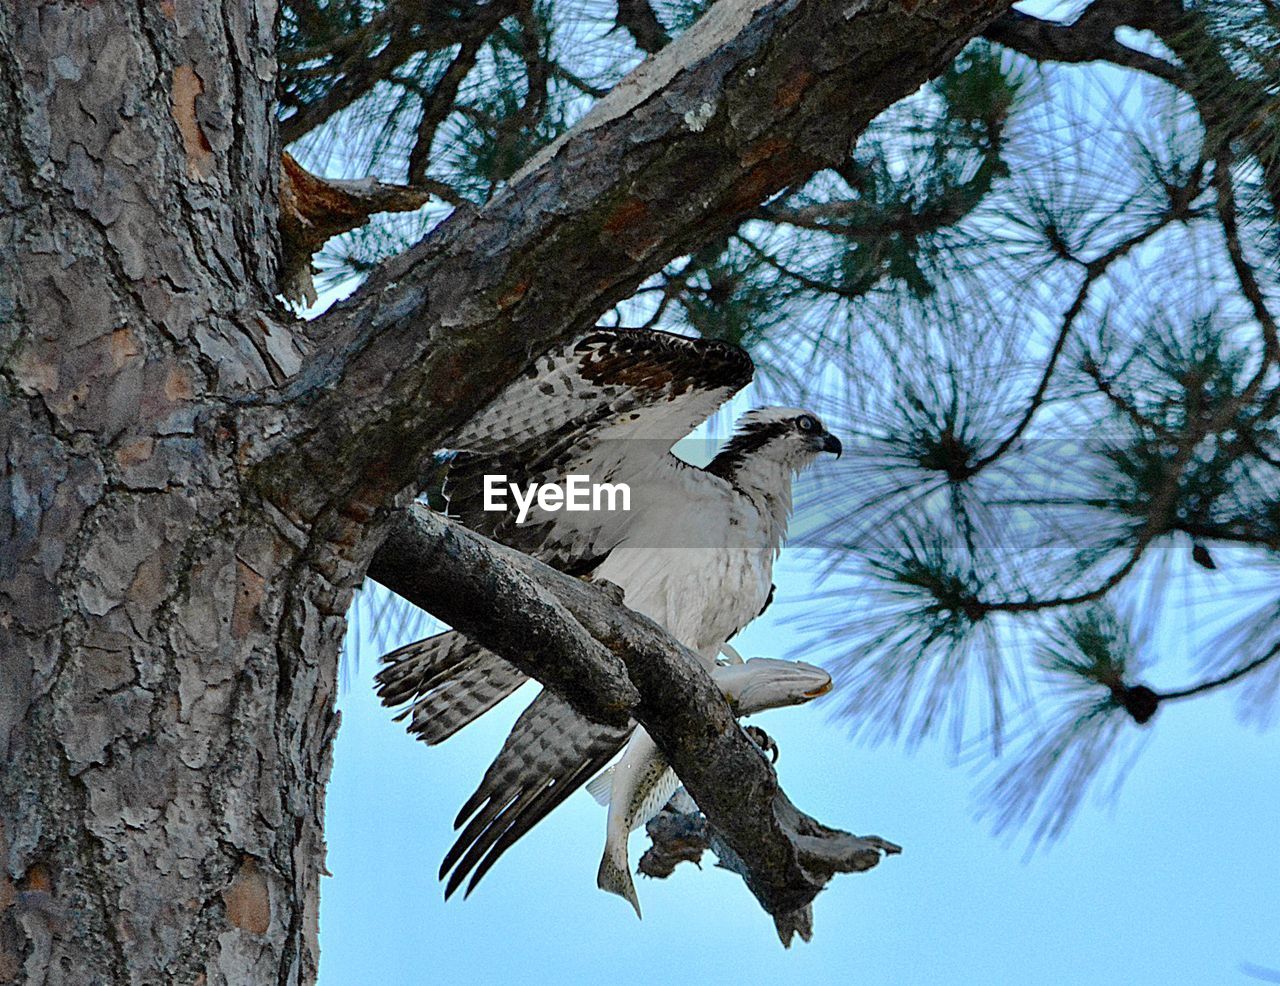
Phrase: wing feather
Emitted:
{"points": [[447, 682], [659, 385], [550, 752], [610, 404]]}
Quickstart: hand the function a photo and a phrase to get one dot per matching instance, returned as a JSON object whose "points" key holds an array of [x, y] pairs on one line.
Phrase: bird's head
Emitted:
{"points": [[767, 683], [788, 436]]}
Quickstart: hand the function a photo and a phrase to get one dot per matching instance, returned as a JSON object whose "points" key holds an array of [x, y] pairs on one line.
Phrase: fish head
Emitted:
{"points": [[768, 683]]}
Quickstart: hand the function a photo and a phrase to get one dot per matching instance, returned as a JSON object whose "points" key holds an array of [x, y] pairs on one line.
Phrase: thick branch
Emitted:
{"points": [[681, 833], [753, 98], [472, 585], [784, 856]]}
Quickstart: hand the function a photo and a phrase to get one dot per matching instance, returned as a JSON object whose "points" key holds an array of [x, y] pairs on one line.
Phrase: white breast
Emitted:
{"points": [[702, 570]]}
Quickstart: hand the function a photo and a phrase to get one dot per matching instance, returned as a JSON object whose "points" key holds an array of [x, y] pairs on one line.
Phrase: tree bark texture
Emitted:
{"points": [[194, 483], [166, 655]]}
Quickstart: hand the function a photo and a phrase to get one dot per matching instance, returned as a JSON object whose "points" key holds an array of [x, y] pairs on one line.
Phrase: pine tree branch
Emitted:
{"points": [[1093, 272], [476, 587], [804, 280], [438, 104], [402, 31], [1230, 107], [1090, 38], [1107, 389], [1219, 682], [637, 18], [753, 98], [1249, 286], [507, 601], [1160, 512], [509, 131]]}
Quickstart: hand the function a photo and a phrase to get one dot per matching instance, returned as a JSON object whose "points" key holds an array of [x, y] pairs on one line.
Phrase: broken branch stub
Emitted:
{"points": [[314, 209]]}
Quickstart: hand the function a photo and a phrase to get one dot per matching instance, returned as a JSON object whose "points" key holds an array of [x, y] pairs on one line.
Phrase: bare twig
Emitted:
{"points": [[1214, 683], [438, 105], [1226, 206], [1093, 271], [314, 209]]}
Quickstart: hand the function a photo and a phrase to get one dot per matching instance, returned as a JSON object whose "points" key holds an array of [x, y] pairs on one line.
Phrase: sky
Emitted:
{"points": [[1178, 880]]}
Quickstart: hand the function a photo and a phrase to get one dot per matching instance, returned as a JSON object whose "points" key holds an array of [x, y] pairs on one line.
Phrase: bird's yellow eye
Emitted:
{"points": [[806, 423]]}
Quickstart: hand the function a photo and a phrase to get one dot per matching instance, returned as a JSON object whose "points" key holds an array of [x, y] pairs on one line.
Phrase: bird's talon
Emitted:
{"points": [[764, 741]]}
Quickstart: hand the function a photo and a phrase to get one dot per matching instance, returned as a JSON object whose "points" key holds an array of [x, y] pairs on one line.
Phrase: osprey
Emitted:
{"points": [[694, 552]]}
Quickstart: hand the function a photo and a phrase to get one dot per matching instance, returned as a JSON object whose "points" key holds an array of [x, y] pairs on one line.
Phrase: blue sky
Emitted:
{"points": [[1179, 881]]}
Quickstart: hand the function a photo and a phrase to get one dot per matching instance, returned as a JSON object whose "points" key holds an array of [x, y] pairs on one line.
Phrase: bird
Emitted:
{"points": [[636, 788], [694, 552]]}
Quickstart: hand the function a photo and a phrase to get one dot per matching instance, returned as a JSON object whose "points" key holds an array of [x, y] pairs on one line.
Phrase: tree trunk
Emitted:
{"points": [[167, 652], [187, 505]]}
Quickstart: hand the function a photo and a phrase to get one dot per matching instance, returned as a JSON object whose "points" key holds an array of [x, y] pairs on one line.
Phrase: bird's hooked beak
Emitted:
{"points": [[832, 444]]}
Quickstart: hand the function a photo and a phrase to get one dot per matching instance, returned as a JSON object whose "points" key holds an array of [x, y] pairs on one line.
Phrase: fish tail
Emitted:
{"points": [[614, 876]]}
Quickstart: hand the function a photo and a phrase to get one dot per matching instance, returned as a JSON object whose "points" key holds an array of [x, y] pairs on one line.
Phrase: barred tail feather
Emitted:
{"points": [[411, 669], [447, 681], [437, 716]]}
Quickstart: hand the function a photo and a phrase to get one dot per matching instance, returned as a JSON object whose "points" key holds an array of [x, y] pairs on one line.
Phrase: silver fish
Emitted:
{"points": [[637, 787]]}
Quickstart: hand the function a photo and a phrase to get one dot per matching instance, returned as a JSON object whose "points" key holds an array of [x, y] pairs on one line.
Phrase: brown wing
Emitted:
{"points": [[550, 753], [609, 404]]}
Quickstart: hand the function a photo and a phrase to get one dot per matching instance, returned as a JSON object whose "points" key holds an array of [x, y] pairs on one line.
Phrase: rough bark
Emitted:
{"points": [[194, 484], [166, 644]]}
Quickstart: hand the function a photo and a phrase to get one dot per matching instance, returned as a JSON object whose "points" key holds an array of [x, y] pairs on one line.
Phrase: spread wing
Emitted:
{"points": [[550, 752], [610, 404], [447, 682]]}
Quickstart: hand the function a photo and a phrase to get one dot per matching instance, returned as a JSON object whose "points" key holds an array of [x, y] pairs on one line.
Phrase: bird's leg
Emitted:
{"points": [[763, 740], [678, 837]]}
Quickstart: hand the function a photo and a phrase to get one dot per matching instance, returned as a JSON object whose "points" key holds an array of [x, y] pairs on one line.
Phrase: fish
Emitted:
{"points": [[636, 788]]}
